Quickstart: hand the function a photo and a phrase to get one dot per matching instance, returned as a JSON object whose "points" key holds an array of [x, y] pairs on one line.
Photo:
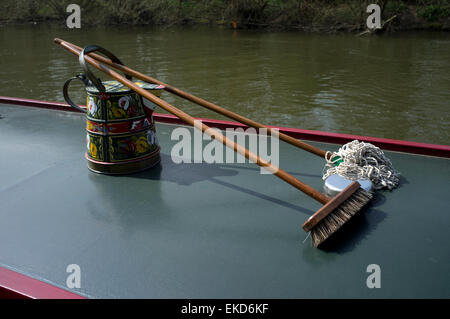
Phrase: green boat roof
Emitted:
{"points": [[208, 230]]}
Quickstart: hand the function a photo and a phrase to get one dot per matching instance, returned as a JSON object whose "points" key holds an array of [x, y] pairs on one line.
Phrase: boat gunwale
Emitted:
{"points": [[14, 285], [411, 147]]}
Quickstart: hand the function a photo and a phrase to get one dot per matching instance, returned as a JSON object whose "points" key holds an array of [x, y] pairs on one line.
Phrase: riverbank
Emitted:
{"points": [[306, 15]]}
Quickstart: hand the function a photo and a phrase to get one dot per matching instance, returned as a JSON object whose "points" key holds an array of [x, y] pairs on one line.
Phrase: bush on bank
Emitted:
{"points": [[314, 15]]}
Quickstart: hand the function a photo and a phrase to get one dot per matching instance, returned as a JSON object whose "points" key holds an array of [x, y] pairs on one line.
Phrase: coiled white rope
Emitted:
{"points": [[362, 161]]}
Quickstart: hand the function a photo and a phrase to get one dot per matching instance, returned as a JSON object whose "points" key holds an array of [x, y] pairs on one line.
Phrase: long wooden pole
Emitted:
{"points": [[308, 190], [202, 102]]}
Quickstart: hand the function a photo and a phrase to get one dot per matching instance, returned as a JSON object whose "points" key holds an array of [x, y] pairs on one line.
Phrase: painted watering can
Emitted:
{"points": [[121, 134]]}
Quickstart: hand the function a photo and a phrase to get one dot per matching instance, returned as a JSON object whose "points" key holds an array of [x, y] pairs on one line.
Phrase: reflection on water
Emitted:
{"points": [[394, 86]]}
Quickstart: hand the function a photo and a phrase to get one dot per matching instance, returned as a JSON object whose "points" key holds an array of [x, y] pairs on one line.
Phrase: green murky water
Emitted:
{"points": [[394, 86]]}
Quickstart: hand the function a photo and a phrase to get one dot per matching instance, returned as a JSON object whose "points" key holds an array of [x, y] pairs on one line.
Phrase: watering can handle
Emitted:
{"points": [[83, 79], [89, 75]]}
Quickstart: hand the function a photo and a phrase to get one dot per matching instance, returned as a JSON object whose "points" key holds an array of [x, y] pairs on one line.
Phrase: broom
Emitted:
{"points": [[322, 224]]}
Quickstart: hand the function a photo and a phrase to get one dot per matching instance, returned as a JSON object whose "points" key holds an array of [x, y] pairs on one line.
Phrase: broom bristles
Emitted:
{"points": [[339, 216]]}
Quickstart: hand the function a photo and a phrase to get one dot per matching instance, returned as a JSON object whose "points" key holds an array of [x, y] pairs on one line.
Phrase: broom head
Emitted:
{"points": [[335, 213]]}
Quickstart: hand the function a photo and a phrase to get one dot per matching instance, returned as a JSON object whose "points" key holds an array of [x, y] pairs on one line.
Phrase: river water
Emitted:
{"points": [[393, 86]]}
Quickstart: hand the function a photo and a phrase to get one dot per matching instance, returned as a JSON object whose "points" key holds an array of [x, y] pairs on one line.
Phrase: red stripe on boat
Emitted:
{"points": [[14, 285]]}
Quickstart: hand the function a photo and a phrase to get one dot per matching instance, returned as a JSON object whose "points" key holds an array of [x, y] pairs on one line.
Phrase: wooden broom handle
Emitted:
{"points": [[201, 102], [308, 190]]}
